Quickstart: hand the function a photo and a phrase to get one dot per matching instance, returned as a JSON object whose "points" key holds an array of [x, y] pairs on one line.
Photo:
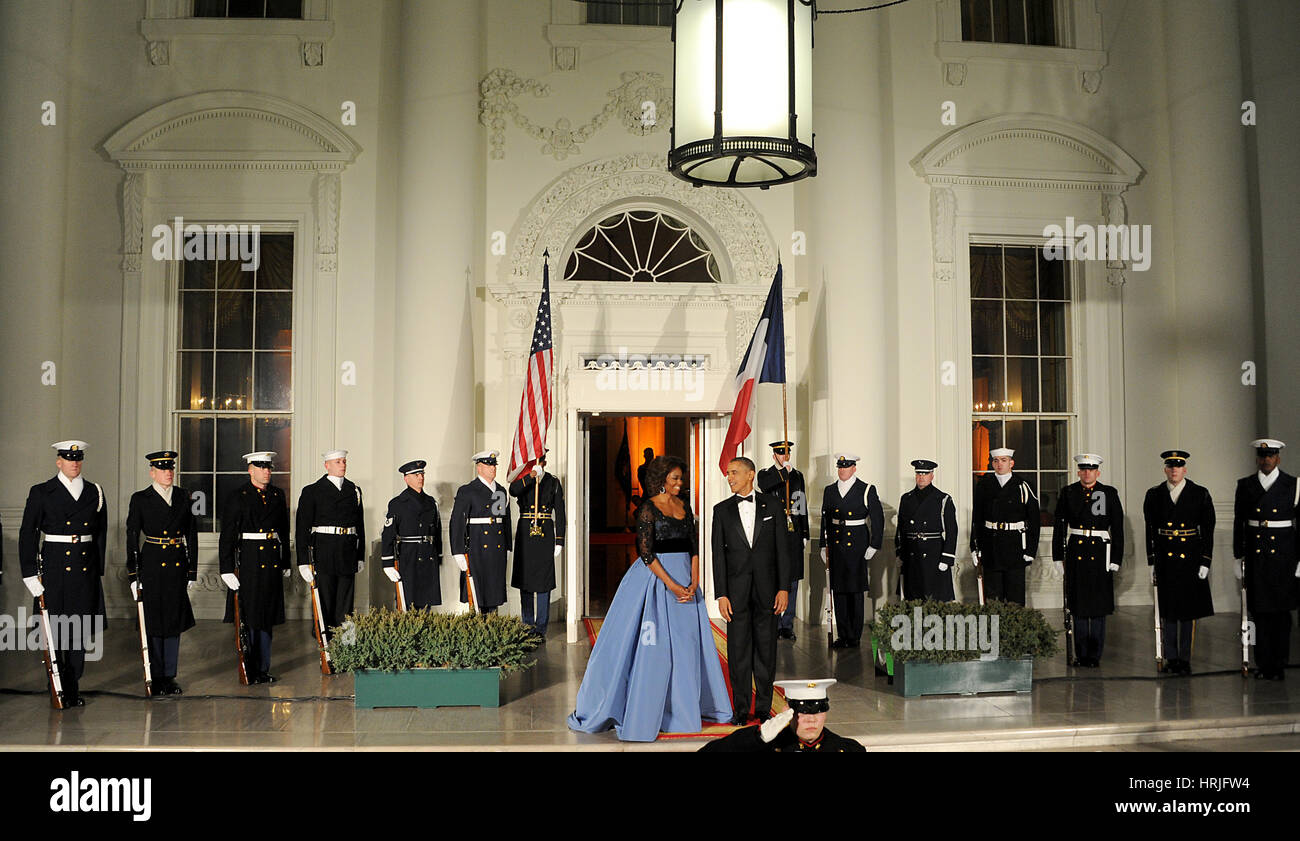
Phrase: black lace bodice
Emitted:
{"points": [[657, 533]]}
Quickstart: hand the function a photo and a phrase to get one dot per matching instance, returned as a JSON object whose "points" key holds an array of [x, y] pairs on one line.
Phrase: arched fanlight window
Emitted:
{"points": [[642, 246]]}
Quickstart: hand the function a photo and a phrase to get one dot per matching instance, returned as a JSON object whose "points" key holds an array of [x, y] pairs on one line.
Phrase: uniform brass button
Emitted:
{"points": [[69, 552], [1168, 524], [83, 569], [67, 522], [1181, 555], [263, 566], [67, 569]]}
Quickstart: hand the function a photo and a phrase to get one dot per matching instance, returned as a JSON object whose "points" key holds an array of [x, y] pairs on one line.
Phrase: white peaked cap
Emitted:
{"points": [[263, 455], [1087, 458], [805, 690]]}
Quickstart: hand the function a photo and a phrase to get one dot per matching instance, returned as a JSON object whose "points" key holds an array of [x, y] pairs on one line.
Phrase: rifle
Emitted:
{"points": [[401, 591], [979, 573], [1245, 626], [469, 587], [51, 663], [241, 640], [1070, 659], [322, 639], [144, 639], [1160, 639]]}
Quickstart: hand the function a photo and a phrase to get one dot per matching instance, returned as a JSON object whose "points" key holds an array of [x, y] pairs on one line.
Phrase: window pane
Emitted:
{"points": [[274, 320], [1052, 278], [246, 8], [197, 314], [209, 8], [1056, 390], [274, 382], [275, 434], [198, 274], [1053, 444], [284, 8], [1056, 340], [194, 380], [1050, 485], [1041, 24], [227, 483], [235, 320], [987, 436], [234, 438], [986, 327], [234, 381], [1017, 21], [196, 443], [1001, 20], [199, 488], [1019, 269], [1022, 384], [275, 261], [231, 276], [981, 21], [985, 271], [1020, 437], [1022, 328], [988, 387]]}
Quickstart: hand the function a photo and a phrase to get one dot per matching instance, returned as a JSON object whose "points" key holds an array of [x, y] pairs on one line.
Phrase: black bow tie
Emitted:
{"points": [[740, 498]]}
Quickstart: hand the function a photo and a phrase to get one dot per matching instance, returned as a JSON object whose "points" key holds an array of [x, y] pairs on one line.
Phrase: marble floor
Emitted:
{"points": [[1123, 705]]}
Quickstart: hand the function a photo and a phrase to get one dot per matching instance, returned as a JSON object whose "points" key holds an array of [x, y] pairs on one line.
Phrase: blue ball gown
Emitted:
{"points": [[655, 666]]}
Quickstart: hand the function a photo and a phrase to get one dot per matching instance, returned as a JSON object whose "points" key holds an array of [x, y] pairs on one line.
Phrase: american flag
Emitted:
{"points": [[535, 402]]}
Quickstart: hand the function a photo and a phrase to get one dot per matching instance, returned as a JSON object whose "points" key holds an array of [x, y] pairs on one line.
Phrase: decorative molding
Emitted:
{"points": [[1114, 212], [133, 216], [640, 295], [500, 87], [744, 248], [943, 216], [1091, 80], [653, 361], [313, 53], [327, 212], [159, 53], [165, 21], [565, 58], [327, 263], [954, 73]]}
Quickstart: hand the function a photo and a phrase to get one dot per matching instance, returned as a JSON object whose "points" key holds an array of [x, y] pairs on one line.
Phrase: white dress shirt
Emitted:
{"points": [[844, 485], [336, 480], [1266, 481], [74, 486], [748, 508], [1002, 478], [492, 486], [1175, 491], [165, 493]]}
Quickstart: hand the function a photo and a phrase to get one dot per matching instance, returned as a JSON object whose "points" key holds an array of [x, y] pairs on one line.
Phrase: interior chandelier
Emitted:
{"points": [[742, 92]]}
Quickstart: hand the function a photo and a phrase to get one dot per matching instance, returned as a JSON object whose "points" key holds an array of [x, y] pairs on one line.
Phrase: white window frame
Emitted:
{"points": [[168, 21]]}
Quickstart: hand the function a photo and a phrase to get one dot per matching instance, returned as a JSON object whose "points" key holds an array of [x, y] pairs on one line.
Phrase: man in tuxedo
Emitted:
{"points": [[752, 567]]}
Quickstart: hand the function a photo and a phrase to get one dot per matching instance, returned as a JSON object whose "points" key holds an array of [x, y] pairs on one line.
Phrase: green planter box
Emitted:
{"points": [[428, 688], [968, 678]]}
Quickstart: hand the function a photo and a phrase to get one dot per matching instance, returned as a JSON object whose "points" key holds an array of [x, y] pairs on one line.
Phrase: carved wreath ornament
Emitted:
{"points": [[641, 102]]}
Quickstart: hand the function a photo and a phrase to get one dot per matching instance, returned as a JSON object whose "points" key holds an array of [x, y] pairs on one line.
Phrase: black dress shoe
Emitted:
{"points": [[840, 644], [737, 721], [257, 678], [73, 701], [1260, 674], [173, 688], [267, 677], [784, 634]]}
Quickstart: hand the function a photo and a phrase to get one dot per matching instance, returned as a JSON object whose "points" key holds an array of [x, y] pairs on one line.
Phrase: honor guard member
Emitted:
{"points": [[61, 551], [1088, 548], [1004, 528], [926, 538], [785, 483], [799, 729], [1179, 517], [480, 533], [255, 559], [411, 549], [164, 568], [853, 526], [331, 537], [539, 540], [1264, 542]]}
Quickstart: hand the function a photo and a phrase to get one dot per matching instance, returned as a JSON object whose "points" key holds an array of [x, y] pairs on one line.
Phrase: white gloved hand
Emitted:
{"points": [[1153, 574], [870, 553], [1238, 570], [537, 470], [772, 728], [189, 585], [826, 556], [232, 580], [286, 572], [1297, 570], [360, 566], [393, 575], [34, 584], [558, 549], [135, 590], [462, 562], [943, 567], [975, 555], [1112, 567], [1060, 567], [305, 571], [1204, 572], [1029, 559], [805, 544]]}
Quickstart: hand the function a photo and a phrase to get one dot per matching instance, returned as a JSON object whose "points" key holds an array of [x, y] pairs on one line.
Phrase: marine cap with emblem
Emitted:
{"points": [[845, 460], [163, 459], [807, 697], [781, 447], [71, 450], [486, 457], [924, 465], [1088, 461], [1267, 446], [1175, 458], [261, 458], [416, 466]]}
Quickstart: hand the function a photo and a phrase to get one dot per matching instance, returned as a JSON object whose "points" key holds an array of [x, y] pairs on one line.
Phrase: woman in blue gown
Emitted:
{"points": [[655, 666]]}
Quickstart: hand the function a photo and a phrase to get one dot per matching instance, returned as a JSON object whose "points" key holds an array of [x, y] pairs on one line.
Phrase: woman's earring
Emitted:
{"points": [[663, 489]]}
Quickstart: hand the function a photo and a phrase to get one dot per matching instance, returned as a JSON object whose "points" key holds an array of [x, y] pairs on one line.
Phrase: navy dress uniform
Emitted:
{"points": [[331, 540], [926, 538], [411, 546], [61, 551], [1004, 531], [539, 540], [1264, 542], [1179, 521], [162, 560], [852, 531], [783, 734], [785, 483], [1088, 543], [480, 533], [254, 557]]}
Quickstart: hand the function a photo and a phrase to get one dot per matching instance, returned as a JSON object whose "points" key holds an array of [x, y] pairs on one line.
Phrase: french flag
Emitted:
{"points": [[764, 362]]}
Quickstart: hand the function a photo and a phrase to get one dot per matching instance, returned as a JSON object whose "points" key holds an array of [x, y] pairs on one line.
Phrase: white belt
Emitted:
{"points": [[259, 535], [1018, 525], [1261, 524], [428, 538], [484, 521], [1104, 534], [69, 538], [333, 530], [848, 522]]}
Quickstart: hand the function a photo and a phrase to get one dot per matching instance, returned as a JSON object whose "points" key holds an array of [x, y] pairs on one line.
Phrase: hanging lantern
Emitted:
{"points": [[742, 92]]}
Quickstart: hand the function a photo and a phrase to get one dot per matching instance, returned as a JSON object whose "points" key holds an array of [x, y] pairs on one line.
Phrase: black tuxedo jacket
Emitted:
{"points": [[738, 568]]}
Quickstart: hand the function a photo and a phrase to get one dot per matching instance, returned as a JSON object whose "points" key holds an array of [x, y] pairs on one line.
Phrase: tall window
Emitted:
{"points": [[1030, 22], [234, 363], [248, 9], [631, 12], [642, 246], [1021, 362]]}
